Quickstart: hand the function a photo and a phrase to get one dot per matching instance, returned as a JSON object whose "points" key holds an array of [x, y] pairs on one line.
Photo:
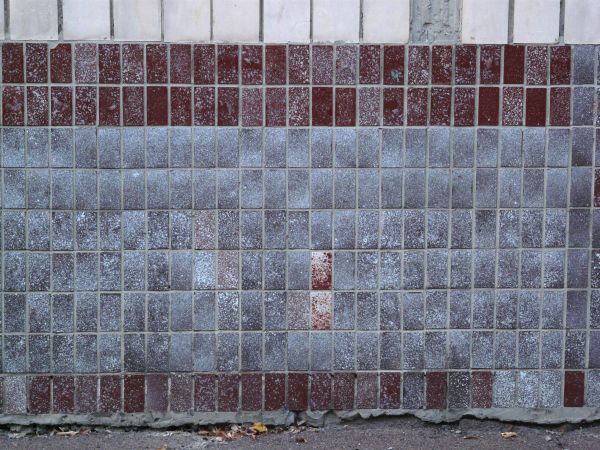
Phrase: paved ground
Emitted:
{"points": [[380, 434]]}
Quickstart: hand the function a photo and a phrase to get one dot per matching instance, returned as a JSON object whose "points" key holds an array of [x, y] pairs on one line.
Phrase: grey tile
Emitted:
{"points": [[38, 144], [251, 230], [204, 317], [391, 228], [582, 146], [180, 147], [483, 309], [134, 312], [251, 351], [367, 317], [61, 147], [416, 143], [439, 147], [86, 359], [298, 148], [583, 64], [463, 147], [414, 189], [511, 150], [321, 351], [344, 230], [109, 148], [391, 188], [228, 189], [204, 147], [486, 181], [251, 270], [390, 276], [298, 350], [227, 147], [275, 183], [558, 147], [298, 189], [534, 147], [251, 195], [345, 189], [274, 148], [462, 188], [322, 148], [345, 147], [391, 142], [133, 146], [413, 390], [275, 305], [181, 189], [460, 309], [583, 105], [228, 359], [158, 312], [275, 351], [487, 147], [390, 345]]}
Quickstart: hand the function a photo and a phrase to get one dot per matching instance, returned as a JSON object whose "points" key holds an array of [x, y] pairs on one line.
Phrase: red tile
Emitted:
{"points": [[369, 104], [252, 392], [320, 391], [345, 64], [560, 106], [489, 64], [321, 270], [205, 392], [37, 106], [369, 71], [441, 106], [228, 392], [13, 106], [157, 109], [299, 109], [437, 390], [574, 389], [343, 391], [322, 64], [204, 106], [109, 64], [464, 107], [227, 64], [156, 64], [109, 106], [597, 188], [416, 106], [12, 63], [252, 109], [85, 63], [36, 62], [537, 65], [181, 106], [274, 391], [157, 393], [418, 64], [39, 395], [482, 389], [133, 389], [321, 310], [110, 394], [535, 107], [252, 64], [275, 65], [299, 60], [297, 392], [63, 395], [181, 393], [512, 106], [366, 390], [322, 106], [393, 105], [228, 106], [489, 104], [204, 64], [275, 107], [514, 64], [391, 390], [133, 106], [465, 64], [393, 64], [61, 64], [86, 394], [133, 64], [560, 64], [61, 100], [345, 107], [441, 64], [181, 63]]}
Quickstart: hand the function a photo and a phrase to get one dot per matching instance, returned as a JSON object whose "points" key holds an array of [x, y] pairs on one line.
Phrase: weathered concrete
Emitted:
{"points": [[435, 21]]}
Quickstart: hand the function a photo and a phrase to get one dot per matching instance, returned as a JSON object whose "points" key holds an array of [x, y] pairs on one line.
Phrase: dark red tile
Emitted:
{"points": [[464, 107], [36, 62], [297, 392], [63, 395], [12, 63], [275, 107], [369, 71], [321, 270], [204, 106], [560, 64], [369, 102], [133, 389], [393, 106], [181, 393], [181, 63], [299, 64], [275, 64], [537, 65], [133, 106], [252, 392], [346, 60], [393, 64], [489, 104], [227, 64], [299, 109], [482, 388], [252, 107], [390, 391], [465, 62], [205, 392], [512, 106], [61, 64], [574, 389], [37, 106], [133, 63], [61, 110], [110, 394], [366, 390], [322, 106], [274, 391], [535, 107], [597, 188], [560, 106], [441, 106], [252, 69], [86, 394], [345, 107], [109, 106], [13, 106], [416, 106], [320, 391], [489, 64], [228, 392], [441, 64], [437, 390], [418, 64], [204, 64], [109, 64], [85, 63], [156, 64], [322, 64], [514, 64], [157, 109], [228, 106], [343, 391], [157, 393], [39, 395], [181, 106]]}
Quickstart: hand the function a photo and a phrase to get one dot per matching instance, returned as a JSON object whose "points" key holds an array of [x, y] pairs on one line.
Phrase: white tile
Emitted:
{"points": [[137, 20], [336, 20], [582, 22], [1, 22], [386, 20], [286, 20], [485, 22], [236, 20], [186, 20], [33, 19], [89, 19], [536, 21]]}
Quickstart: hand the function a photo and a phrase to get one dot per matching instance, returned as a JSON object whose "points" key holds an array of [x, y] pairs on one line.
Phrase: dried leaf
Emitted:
{"points": [[508, 434], [259, 427], [470, 437], [300, 439], [67, 433]]}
